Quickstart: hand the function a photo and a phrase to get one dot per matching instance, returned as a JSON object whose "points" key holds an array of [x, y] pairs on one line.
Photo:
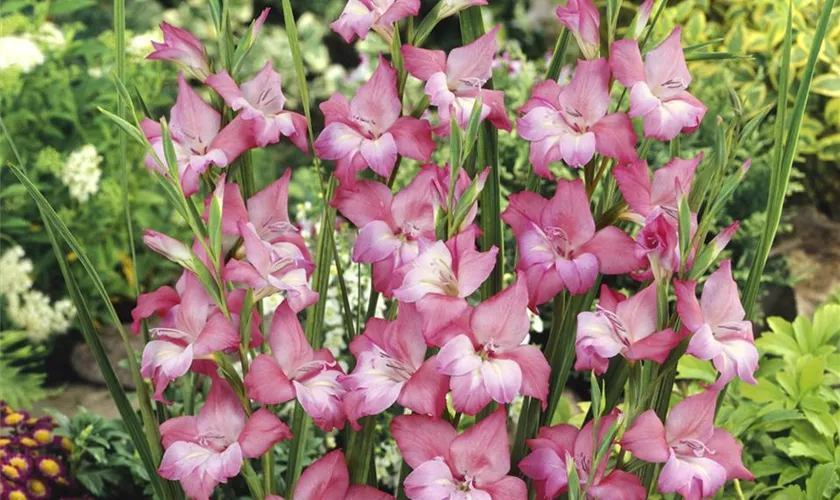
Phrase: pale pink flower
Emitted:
{"points": [[721, 334], [261, 102], [361, 16], [646, 196], [571, 122], [369, 131], [391, 367], [328, 479], [625, 327], [472, 465], [559, 246], [182, 47], [207, 449], [454, 83], [581, 17], [295, 370], [658, 86], [557, 448], [698, 457]]}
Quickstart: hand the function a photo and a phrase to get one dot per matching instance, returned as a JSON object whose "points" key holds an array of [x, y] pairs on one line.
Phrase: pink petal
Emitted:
{"points": [[413, 138], [581, 17], [356, 20], [222, 413], [326, 479], [377, 101], [421, 438], [577, 150], [692, 418], [568, 210], [619, 485], [596, 343], [458, 357], [656, 346], [615, 251], [360, 492], [682, 113], [425, 392], [262, 431], [579, 274], [289, 345], [336, 109], [543, 463], [321, 397], [430, 480], [398, 10], [471, 266], [687, 305], [615, 137], [224, 85], [693, 477], [178, 429], [376, 241], [474, 60], [543, 285], [442, 317], [337, 140], [423, 63], [523, 211], [191, 117], [364, 202], [626, 62], [266, 383], [158, 302], [638, 313], [635, 185], [676, 172], [544, 94], [645, 438], [502, 379], [666, 63], [503, 318], [380, 154], [719, 300], [482, 451], [495, 100], [535, 371], [728, 454], [218, 334], [588, 94], [233, 140], [270, 205], [643, 102], [507, 488], [469, 394], [540, 123]]}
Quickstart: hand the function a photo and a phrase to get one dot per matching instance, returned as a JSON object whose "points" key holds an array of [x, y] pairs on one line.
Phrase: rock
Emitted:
{"points": [[73, 396], [84, 364]]}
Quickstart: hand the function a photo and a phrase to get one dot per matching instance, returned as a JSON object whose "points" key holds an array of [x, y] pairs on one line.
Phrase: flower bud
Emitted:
{"points": [[581, 17]]}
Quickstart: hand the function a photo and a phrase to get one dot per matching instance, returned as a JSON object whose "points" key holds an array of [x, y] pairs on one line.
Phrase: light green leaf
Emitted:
{"points": [[811, 374], [827, 85], [822, 481]]}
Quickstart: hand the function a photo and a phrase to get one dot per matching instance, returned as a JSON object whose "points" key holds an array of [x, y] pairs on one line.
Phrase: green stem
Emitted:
{"points": [[252, 480]]}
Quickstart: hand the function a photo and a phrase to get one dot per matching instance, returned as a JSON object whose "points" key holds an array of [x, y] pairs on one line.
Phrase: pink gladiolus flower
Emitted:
{"points": [[391, 367], [658, 241], [559, 246], [160, 303], [360, 16], [208, 449], [698, 457], [295, 370], [642, 18], [447, 465], [658, 86], [571, 122], [557, 448], [369, 131], [622, 326], [721, 334], [487, 360], [169, 247], [197, 140], [194, 329], [391, 227], [647, 197], [454, 83], [180, 46], [581, 17], [272, 268], [261, 101], [441, 186], [268, 212], [329, 479]]}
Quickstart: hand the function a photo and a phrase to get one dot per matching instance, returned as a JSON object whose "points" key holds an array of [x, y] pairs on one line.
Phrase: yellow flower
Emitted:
{"points": [[43, 436], [13, 418], [10, 472], [49, 467]]}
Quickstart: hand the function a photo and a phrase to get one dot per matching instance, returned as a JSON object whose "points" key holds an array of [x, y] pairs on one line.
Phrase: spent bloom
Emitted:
{"points": [[369, 131], [361, 16], [474, 464], [81, 173], [558, 448], [582, 19], [721, 334], [454, 83], [699, 458], [571, 122], [658, 86], [207, 449]]}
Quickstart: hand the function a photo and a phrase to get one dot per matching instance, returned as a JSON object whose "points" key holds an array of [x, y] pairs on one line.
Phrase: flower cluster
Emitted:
{"points": [[439, 344], [81, 173], [33, 459]]}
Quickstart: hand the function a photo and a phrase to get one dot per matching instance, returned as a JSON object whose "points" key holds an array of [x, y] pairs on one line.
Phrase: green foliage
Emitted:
{"points": [[21, 370], [789, 422]]}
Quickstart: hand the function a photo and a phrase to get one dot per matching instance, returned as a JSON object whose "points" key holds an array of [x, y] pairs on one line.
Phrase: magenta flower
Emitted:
{"points": [[369, 131], [454, 83], [295, 370], [622, 326], [391, 227], [208, 449], [658, 86], [557, 448], [261, 102], [571, 122], [193, 329], [487, 359], [361, 16], [182, 47], [559, 246], [581, 17], [160, 303], [721, 334], [197, 138], [698, 457], [272, 268], [391, 367], [473, 464], [328, 479], [268, 212], [647, 197], [658, 242]]}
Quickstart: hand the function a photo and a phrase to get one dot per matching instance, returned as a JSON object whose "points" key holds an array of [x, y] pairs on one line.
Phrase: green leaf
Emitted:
{"points": [[813, 371], [822, 481], [827, 85]]}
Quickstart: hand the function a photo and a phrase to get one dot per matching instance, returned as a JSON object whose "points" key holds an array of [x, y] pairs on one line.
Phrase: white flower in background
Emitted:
{"points": [[19, 52], [388, 461], [140, 45], [95, 72], [15, 272], [30, 309], [81, 173], [537, 324], [33, 312], [51, 36]]}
